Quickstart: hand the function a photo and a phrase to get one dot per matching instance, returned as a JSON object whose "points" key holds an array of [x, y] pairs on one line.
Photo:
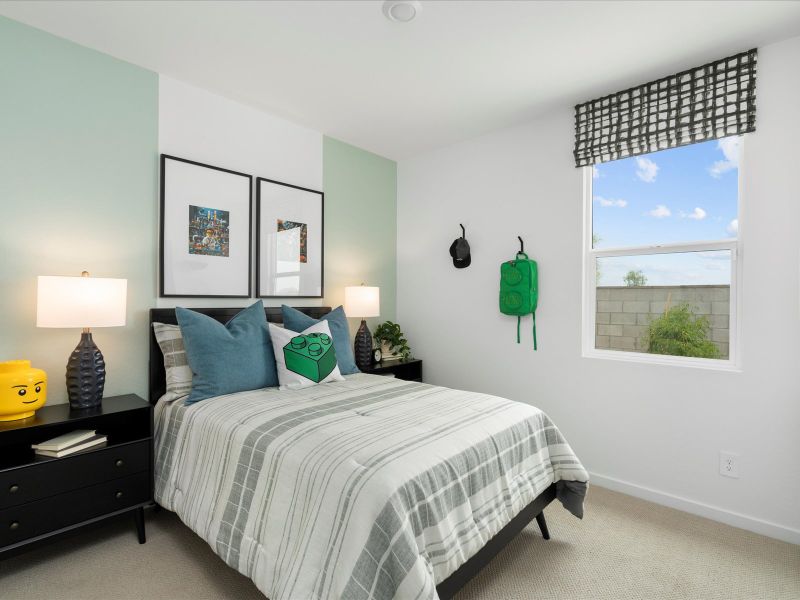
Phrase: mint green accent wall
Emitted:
{"points": [[79, 190], [360, 225], [78, 163]]}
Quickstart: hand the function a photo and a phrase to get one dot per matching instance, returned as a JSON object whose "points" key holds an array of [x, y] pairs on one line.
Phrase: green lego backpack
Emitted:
{"points": [[519, 289]]}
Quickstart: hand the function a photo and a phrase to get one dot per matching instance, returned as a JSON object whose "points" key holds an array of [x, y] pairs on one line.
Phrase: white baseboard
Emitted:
{"points": [[773, 530]]}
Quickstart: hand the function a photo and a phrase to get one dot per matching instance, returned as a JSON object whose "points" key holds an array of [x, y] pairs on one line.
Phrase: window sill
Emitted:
{"points": [[709, 364]]}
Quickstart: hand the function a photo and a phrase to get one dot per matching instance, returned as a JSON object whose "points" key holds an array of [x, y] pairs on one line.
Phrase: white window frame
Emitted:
{"points": [[590, 256]]}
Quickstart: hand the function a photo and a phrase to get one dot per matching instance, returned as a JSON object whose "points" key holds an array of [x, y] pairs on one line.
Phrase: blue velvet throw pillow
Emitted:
{"points": [[294, 320], [233, 357]]}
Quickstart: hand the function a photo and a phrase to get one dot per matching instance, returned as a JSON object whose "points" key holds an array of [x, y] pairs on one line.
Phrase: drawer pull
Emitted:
{"points": [[119, 463], [13, 489], [14, 525], [118, 495]]}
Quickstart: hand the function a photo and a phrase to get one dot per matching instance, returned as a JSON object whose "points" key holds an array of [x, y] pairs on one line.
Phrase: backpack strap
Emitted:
{"points": [[519, 319], [534, 330]]}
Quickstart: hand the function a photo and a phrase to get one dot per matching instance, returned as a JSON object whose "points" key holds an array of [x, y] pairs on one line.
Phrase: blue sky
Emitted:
{"points": [[685, 194]]}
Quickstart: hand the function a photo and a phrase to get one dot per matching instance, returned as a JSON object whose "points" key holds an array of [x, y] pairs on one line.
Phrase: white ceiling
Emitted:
{"points": [[459, 70]]}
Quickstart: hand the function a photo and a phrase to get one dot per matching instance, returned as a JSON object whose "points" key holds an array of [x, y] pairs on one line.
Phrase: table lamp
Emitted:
{"points": [[362, 301], [82, 302]]}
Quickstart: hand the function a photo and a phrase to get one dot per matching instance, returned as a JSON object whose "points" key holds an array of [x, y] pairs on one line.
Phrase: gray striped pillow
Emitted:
{"points": [[179, 375]]}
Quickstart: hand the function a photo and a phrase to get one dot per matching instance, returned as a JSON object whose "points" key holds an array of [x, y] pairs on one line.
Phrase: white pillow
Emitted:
{"points": [[179, 375], [306, 358]]}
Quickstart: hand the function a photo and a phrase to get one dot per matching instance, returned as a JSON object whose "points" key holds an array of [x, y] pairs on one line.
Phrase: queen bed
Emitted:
{"points": [[371, 487]]}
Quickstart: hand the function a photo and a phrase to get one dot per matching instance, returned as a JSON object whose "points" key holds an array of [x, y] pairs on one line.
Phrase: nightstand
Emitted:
{"points": [[410, 370], [41, 497]]}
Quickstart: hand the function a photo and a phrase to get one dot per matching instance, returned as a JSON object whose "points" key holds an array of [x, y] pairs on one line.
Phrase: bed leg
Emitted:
{"points": [[138, 519], [542, 525]]}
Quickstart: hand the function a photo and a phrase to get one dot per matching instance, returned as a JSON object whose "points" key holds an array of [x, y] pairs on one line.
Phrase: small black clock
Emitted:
{"points": [[377, 355]]}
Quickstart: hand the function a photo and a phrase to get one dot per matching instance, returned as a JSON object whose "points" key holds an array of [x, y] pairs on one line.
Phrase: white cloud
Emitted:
{"points": [[660, 211], [595, 172], [719, 167], [606, 202], [646, 169], [698, 214], [730, 151], [733, 227]]}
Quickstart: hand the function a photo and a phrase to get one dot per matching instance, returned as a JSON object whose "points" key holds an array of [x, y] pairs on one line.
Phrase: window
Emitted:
{"points": [[661, 261]]}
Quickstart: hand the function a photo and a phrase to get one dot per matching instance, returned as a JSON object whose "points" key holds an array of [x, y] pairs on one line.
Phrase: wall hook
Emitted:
{"points": [[521, 245], [463, 231]]}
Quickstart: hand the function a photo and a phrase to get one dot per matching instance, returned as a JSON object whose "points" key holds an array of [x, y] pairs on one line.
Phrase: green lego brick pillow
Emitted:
{"points": [[306, 358], [296, 321]]}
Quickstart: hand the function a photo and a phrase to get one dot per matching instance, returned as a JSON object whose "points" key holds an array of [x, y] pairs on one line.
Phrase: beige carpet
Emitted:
{"points": [[624, 549]]}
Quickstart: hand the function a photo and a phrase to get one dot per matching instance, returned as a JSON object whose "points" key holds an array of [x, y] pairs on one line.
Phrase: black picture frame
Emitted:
{"points": [[162, 292], [259, 293]]}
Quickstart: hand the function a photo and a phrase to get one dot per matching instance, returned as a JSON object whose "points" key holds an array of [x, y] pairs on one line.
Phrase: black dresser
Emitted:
{"points": [[41, 497]]}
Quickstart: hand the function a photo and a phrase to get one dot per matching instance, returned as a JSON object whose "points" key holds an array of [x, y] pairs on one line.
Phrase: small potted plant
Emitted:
{"points": [[392, 341]]}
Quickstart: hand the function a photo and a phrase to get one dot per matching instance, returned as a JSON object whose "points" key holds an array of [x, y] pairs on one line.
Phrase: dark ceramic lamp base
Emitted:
{"points": [[86, 374], [362, 347]]}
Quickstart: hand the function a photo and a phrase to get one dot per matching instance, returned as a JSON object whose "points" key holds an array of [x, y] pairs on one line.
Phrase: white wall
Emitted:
{"points": [[199, 125], [653, 431]]}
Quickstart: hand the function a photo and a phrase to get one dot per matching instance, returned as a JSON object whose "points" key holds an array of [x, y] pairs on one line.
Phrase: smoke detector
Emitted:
{"points": [[401, 11]]}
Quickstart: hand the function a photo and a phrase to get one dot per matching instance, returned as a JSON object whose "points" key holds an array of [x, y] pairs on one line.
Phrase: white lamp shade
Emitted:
{"points": [[80, 302], [361, 301]]}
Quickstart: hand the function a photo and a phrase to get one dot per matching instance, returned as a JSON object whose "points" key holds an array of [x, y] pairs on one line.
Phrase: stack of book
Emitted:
{"points": [[70, 443]]}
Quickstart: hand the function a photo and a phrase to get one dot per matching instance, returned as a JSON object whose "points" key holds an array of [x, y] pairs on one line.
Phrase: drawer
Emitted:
{"points": [[22, 522], [408, 371], [41, 480]]}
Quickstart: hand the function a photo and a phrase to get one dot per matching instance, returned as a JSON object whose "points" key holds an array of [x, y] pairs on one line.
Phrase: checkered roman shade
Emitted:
{"points": [[705, 103]]}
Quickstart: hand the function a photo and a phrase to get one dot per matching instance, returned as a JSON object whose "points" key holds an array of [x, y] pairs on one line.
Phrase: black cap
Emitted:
{"points": [[459, 250]]}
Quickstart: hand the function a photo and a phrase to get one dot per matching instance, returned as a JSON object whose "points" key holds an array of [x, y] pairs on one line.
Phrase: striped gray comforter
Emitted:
{"points": [[368, 488]]}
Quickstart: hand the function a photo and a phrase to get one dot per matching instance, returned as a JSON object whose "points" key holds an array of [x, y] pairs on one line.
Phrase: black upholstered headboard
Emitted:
{"points": [[157, 375]]}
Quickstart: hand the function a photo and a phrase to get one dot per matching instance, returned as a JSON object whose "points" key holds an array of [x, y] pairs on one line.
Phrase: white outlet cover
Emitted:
{"points": [[729, 464]]}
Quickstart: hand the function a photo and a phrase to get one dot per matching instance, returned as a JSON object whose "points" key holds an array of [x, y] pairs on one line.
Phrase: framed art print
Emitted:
{"points": [[289, 240], [206, 232]]}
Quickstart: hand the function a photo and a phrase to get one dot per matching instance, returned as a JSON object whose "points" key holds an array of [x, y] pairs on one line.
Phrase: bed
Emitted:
{"points": [[367, 488]]}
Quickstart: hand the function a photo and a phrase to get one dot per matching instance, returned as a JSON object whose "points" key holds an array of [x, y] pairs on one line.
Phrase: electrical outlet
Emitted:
{"points": [[729, 464]]}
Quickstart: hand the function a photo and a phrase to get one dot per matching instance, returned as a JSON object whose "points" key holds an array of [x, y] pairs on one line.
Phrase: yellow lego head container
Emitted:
{"points": [[23, 390]]}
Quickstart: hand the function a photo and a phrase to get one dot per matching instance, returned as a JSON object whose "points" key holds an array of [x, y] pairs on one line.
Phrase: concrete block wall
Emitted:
{"points": [[624, 313]]}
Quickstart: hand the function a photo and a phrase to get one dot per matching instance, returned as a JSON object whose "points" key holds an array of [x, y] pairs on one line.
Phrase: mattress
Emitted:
{"points": [[372, 487]]}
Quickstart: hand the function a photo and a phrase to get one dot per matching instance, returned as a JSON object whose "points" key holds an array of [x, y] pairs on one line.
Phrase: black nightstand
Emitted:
{"points": [[41, 497], [410, 370]]}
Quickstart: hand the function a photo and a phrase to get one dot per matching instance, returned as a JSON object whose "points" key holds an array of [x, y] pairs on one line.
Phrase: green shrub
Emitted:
{"points": [[635, 279], [680, 333]]}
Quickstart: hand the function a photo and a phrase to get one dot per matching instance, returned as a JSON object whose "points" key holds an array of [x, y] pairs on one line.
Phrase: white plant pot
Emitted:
{"points": [[387, 352]]}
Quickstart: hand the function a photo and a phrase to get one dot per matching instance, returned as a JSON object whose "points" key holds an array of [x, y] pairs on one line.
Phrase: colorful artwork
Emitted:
{"points": [[302, 237], [209, 231], [289, 247]]}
